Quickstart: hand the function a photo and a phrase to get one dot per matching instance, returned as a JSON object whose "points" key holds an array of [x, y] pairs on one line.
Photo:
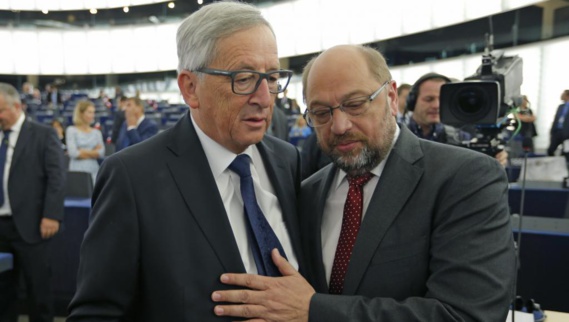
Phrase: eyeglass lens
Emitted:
{"points": [[248, 82]]}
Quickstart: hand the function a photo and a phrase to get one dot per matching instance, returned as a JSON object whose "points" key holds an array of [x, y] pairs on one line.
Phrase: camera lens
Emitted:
{"points": [[471, 100]]}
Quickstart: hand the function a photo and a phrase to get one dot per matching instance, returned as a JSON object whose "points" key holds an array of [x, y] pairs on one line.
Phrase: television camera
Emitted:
{"points": [[482, 100]]}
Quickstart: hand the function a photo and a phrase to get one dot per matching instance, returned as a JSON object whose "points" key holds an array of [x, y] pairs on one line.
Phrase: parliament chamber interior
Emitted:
{"points": [[60, 53]]}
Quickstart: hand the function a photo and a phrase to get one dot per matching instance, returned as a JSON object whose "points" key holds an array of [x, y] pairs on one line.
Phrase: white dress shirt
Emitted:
{"points": [[6, 210], [229, 185], [334, 209], [140, 119]]}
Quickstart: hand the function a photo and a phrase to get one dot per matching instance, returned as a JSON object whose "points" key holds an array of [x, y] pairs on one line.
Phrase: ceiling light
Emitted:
{"points": [[200, 1], [171, 5], [125, 9], [45, 11], [93, 11]]}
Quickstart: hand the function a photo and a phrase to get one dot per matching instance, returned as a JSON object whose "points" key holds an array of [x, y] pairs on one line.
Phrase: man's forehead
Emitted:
{"points": [[432, 85]]}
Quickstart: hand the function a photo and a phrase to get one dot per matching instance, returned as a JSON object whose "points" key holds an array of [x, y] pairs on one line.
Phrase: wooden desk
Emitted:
{"points": [[553, 316], [6, 262]]}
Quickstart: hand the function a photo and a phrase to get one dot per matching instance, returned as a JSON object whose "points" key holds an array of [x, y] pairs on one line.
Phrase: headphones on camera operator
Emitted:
{"points": [[414, 92], [450, 134]]}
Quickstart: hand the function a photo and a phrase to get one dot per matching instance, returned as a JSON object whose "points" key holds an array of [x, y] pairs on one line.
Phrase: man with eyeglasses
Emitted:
{"points": [[397, 228], [213, 194]]}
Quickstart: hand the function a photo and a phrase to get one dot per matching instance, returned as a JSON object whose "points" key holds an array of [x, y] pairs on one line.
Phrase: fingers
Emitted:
{"points": [[244, 311], [254, 282], [47, 232], [282, 264], [48, 228]]}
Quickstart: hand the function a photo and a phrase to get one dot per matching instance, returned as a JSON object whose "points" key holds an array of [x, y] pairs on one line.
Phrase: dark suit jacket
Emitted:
{"points": [[435, 243], [565, 130], [160, 238], [145, 129], [36, 185]]}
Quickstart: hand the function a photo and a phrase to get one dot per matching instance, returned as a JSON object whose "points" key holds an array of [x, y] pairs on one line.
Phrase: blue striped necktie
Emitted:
{"points": [[261, 236]]}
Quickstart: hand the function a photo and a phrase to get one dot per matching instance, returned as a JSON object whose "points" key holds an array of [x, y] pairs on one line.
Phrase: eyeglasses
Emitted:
{"points": [[245, 82], [321, 115]]}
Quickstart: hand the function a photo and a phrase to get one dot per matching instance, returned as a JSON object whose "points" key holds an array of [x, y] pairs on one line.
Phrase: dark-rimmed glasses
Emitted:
{"points": [[321, 115], [245, 82]]}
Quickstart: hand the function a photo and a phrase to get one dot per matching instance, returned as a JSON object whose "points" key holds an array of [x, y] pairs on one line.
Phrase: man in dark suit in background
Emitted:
{"points": [[435, 242], [135, 127], [118, 119], [560, 127], [32, 175], [168, 214]]}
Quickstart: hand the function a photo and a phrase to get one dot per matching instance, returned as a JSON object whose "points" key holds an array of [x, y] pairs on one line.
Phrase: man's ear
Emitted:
{"points": [[187, 83], [393, 98]]}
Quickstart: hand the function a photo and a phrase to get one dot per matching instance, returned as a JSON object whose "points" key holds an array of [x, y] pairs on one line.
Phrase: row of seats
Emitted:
{"points": [[165, 115]]}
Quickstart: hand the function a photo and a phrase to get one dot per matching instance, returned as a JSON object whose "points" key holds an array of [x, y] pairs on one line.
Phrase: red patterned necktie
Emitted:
{"points": [[350, 227]]}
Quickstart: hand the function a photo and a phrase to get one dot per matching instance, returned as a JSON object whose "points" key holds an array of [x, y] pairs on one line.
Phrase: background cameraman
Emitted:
{"points": [[423, 101]]}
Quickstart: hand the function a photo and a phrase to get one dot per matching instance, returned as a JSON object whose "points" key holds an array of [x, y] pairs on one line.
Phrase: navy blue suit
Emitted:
{"points": [[145, 129]]}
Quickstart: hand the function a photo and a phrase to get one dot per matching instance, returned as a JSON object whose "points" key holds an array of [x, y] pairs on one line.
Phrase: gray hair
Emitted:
{"points": [[10, 94], [376, 64], [198, 34]]}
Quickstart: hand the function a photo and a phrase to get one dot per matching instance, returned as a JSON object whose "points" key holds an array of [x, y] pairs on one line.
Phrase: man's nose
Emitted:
{"points": [[262, 96], [340, 122]]}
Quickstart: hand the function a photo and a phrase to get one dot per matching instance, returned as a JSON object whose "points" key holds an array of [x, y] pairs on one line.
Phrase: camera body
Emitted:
{"points": [[485, 96], [482, 99]]}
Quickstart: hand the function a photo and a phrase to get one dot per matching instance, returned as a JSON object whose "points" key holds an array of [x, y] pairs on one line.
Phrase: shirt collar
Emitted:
{"points": [[17, 127], [219, 157], [140, 119]]}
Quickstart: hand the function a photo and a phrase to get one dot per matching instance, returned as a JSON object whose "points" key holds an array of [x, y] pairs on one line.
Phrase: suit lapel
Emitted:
{"points": [[321, 189], [191, 172], [385, 205]]}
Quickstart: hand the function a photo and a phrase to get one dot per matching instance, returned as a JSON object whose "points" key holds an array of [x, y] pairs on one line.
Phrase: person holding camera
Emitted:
{"points": [[424, 101]]}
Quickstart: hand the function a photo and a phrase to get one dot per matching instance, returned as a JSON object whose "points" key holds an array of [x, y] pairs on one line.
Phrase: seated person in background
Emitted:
{"points": [[136, 127], [428, 238], [425, 122], [84, 143], [300, 129]]}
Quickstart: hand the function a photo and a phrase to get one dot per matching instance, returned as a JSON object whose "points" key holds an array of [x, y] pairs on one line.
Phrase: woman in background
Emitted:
{"points": [[84, 143]]}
